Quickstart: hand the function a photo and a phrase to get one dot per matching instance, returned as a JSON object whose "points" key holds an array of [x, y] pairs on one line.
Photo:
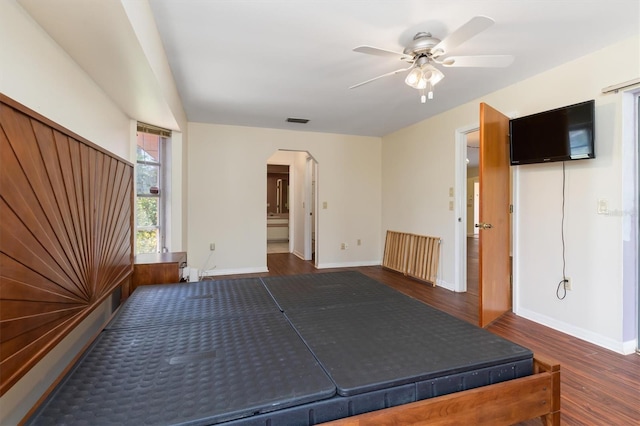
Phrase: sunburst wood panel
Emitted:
{"points": [[66, 240]]}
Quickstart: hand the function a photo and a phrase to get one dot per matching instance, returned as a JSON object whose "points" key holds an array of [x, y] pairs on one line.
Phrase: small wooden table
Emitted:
{"points": [[157, 268]]}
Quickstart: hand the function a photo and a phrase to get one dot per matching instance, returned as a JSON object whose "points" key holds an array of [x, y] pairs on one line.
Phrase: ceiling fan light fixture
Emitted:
{"points": [[413, 77], [424, 77]]}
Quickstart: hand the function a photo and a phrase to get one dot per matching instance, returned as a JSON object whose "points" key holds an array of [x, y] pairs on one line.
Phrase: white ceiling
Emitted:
{"points": [[257, 62]]}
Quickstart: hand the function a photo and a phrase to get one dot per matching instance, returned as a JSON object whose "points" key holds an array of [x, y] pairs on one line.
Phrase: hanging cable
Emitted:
{"points": [[561, 284]]}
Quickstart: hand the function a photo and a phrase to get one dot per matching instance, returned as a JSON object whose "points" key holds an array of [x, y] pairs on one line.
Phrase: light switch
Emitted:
{"points": [[603, 206], [324, 204], [451, 191], [451, 205]]}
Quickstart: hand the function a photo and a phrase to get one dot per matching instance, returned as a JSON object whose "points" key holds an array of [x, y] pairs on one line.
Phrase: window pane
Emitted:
{"points": [[148, 147], [146, 177], [146, 212], [147, 241]]}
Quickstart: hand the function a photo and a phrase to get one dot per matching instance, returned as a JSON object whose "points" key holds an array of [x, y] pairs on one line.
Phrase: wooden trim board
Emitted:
{"points": [[503, 403]]}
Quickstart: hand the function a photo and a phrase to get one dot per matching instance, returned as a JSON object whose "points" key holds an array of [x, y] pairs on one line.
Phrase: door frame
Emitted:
{"points": [[310, 211], [460, 259]]}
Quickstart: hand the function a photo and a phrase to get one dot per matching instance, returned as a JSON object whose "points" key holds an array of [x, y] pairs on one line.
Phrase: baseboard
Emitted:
{"points": [[216, 272], [299, 255], [624, 348], [444, 284], [630, 347], [349, 264]]}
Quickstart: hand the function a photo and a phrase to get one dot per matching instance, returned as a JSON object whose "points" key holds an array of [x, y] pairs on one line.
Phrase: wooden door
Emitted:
{"points": [[494, 260]]}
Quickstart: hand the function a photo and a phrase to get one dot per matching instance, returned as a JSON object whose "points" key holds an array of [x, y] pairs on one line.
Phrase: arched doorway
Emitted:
{"points": [[291, 200]]}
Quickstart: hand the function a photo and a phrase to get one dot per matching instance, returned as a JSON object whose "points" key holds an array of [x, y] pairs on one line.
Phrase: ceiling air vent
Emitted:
{"points": [[297, 120]]}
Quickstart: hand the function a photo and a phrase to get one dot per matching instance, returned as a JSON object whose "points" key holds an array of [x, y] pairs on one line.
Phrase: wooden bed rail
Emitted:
{"points": [[503, 403], [414, 255]]}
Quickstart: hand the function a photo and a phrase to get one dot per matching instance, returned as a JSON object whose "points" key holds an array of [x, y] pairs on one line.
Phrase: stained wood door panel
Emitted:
{"points": [[494, 259], [66, 239]]}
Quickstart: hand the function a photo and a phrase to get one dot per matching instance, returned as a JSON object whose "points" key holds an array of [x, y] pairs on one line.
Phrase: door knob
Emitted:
{"points": [[484, 225]]}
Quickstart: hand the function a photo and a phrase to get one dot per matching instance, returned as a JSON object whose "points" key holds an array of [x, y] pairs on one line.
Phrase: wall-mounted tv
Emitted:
{"points": [[560, 134]]}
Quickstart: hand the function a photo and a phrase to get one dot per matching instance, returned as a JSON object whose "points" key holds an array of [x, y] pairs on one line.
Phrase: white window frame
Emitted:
{"points": [[163, 180]]}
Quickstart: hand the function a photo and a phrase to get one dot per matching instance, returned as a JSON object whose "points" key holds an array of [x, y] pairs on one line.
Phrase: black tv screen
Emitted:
{"points": [[560, 134]]}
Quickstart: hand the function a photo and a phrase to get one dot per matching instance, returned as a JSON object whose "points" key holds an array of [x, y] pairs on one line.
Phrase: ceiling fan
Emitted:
{"points": [[425, 50]]}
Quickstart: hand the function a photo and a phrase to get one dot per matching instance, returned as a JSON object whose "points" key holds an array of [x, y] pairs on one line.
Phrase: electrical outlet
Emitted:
{"points": [[359, 242], [212, 246], [567, 283]]}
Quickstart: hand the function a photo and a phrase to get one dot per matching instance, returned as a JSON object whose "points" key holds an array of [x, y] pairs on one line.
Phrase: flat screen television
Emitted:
{"points": [[560, 134]]}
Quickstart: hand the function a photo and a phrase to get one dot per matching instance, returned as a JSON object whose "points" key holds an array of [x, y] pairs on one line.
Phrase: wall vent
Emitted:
{"points": [[297, 120]]}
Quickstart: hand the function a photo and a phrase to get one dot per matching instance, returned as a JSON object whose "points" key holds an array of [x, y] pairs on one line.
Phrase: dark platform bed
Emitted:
{"points": [[296, 350]]}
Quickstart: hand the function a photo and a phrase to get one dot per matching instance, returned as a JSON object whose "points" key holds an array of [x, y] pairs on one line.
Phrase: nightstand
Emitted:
{"points": [[158, 268]]}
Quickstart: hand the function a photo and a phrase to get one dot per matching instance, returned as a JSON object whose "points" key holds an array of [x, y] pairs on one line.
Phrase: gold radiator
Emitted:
{"points": [[413, 255]]}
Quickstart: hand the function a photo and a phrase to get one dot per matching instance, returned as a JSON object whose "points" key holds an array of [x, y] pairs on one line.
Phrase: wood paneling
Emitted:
{"points": [[157, 268], [66, 238]]}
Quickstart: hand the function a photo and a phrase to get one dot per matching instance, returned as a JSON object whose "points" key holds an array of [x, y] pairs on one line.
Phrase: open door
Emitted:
{"points": [[494, 259]]}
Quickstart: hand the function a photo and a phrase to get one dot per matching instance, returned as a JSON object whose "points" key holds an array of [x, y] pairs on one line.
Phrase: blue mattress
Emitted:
{"points": [[302, 292], [197, 373], [294, 350], [155, 305]]}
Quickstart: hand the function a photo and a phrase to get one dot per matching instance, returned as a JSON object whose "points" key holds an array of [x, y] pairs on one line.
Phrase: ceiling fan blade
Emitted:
{"points": [[370, 50], [487, 61], [380, 76], [474, 26]]}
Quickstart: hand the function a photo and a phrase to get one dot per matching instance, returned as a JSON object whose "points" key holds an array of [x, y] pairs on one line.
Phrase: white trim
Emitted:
{"points": [[308, 207], [446, 285], [215, 272], [630, 100], [515, 252], [349, 264], [624, 348], [460, 259], [617, 87]]}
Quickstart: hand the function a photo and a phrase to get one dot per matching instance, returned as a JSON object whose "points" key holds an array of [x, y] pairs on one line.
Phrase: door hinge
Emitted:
{"points": [[510, 208]]}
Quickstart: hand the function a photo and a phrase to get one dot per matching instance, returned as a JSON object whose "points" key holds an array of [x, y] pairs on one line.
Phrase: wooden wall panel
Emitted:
{"points": [[66, 236]]}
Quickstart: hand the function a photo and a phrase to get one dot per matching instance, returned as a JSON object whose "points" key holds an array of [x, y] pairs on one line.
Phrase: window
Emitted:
{"points": [[150, 189]]}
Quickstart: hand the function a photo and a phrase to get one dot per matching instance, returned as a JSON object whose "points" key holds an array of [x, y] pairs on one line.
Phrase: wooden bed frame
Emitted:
{"points": [[505, 403]]}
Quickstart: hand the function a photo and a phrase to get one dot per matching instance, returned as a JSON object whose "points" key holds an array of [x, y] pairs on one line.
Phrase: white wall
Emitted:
{"points": [[593, 310], [39, 74], [421, 159], [227, 184]]}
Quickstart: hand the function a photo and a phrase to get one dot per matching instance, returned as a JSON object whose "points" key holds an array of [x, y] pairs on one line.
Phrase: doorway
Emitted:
{"points": [[290, 199], [467, 167], [277, 208], [472, 197]]}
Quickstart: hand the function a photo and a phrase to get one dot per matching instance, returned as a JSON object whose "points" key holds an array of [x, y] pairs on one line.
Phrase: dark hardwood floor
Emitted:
{"points": [[599, 387]]}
